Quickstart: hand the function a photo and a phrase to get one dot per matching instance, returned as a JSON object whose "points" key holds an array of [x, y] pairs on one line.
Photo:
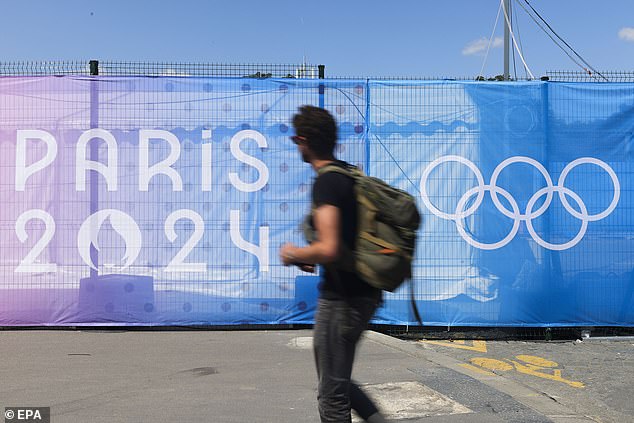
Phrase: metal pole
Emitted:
{"points": [[322, 87], [507, 40], [94, 156]]}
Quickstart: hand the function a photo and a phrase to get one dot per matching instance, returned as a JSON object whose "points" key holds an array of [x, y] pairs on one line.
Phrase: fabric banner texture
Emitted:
{"points": [[164, 200]]}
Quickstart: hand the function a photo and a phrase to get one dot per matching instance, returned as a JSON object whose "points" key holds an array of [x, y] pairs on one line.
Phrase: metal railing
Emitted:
{"points": [[132, 68], [114, 68], [579, 76], [45, 68]]}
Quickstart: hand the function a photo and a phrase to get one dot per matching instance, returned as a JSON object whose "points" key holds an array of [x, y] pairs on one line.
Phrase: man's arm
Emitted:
{"points": [[325, 248]]}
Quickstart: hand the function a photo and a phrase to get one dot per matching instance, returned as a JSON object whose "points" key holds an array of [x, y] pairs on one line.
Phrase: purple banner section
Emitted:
{"points": [[152, 201]]}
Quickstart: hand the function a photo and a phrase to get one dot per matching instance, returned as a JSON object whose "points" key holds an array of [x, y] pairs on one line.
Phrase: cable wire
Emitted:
{"points": [[551, 37], [490, 40], [519, 39], [589, 68], [506, 17], [519, 36]]}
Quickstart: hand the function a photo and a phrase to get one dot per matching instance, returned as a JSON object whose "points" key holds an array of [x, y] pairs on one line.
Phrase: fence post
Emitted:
{"points": [[94, 67], [94, 156], [322, 87], [366, 128]]}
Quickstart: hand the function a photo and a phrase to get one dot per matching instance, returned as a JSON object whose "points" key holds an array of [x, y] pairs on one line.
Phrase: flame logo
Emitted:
{"points": [[122, 224]]}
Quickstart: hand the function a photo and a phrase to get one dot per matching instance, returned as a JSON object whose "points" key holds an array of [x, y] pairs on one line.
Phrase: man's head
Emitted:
{"points": [[316, 128]]}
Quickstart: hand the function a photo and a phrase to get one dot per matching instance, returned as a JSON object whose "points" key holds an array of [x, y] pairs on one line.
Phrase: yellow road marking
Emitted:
{"points": [[545, 369], [534, 370], [526, 364], [479, 346], [477, 369], [536, 361], [492, 364]]}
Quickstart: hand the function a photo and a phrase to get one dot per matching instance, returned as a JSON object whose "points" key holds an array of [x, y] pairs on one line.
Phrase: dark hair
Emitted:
{"points": [[318, 127]]}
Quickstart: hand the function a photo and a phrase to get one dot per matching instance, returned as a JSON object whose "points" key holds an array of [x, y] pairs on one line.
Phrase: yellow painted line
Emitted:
{"points": [[545, 370], [536, 361], [537, 371], [478, 346], [492, 364], [477, 369]]}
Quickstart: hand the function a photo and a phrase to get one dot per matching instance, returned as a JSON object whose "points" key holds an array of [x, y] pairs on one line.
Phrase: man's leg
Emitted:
{"points": [[333, 357], [359, 401], [364, 406], [338, 327]]}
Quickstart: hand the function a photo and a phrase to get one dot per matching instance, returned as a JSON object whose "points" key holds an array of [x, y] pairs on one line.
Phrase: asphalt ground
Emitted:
{"points": [[268, 376]]}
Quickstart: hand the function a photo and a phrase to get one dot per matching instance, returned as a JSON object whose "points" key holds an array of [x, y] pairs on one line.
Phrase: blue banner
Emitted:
{"points": [[163, 201]]}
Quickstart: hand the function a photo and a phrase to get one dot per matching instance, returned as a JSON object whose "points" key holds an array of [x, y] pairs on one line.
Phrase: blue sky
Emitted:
{"points": [[352, 38]]}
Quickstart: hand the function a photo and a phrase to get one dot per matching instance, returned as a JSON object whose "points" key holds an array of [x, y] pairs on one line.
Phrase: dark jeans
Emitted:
{"points": [[338, 327]]}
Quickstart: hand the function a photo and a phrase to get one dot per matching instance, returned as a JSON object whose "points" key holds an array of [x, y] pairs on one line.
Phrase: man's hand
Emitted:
{"points": [[310, 268], [286, 254], [288, 258]]}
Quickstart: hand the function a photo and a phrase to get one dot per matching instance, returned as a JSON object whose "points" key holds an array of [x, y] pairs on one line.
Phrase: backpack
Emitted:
{"points": [[387, 223]]}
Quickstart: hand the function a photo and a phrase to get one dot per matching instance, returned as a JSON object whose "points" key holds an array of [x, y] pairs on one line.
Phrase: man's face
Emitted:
{"points": [[302, 145]]}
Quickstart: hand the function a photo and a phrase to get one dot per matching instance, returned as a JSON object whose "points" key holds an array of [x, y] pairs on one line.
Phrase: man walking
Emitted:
{"points": [[346, 302]]}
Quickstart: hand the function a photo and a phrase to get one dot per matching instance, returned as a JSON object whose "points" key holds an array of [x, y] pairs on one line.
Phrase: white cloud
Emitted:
{"points": [[627, 34], [479, 46]]}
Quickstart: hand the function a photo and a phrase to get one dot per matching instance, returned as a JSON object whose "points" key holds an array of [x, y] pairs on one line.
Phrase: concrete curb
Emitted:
{"points": [[609, 339], [531, 398]]}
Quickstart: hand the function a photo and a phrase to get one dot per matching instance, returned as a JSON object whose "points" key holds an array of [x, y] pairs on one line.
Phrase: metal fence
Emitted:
{"points": [[114, 68], [304, 70], [309, 71], [578, 76], [44, 68]]}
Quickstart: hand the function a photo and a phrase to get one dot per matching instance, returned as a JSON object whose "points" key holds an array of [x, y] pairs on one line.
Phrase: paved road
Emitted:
{"points": [[592, 378], [268, 376]]}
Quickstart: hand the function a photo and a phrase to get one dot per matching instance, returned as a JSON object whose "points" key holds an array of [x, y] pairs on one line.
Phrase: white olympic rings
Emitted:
{"points": [[460, 213]]}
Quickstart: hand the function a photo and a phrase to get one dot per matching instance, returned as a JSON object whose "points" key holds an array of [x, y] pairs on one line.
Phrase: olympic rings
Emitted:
{"points": [[423, 187], [516, 223], [563, 192]]}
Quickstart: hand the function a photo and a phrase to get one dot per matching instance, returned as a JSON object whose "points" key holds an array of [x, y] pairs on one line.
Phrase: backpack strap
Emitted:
{"points": [[346, 260], [351, 171]]}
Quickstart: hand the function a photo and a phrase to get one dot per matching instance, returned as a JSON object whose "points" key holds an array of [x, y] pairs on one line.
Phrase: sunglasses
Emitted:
{"points": [[298, 139]]}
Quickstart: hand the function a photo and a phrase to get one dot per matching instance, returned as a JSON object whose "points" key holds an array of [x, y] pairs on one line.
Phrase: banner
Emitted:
{"points": [[164, 201]]}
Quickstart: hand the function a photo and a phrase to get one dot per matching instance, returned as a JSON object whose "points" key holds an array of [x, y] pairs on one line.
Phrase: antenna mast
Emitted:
{"points": [[507, 40]]}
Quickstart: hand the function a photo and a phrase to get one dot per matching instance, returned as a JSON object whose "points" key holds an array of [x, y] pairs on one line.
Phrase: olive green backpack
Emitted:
{"points": [[387, 223]]}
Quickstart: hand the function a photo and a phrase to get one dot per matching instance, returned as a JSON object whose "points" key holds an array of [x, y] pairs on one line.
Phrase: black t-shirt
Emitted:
{"points": [[337, 189]]}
